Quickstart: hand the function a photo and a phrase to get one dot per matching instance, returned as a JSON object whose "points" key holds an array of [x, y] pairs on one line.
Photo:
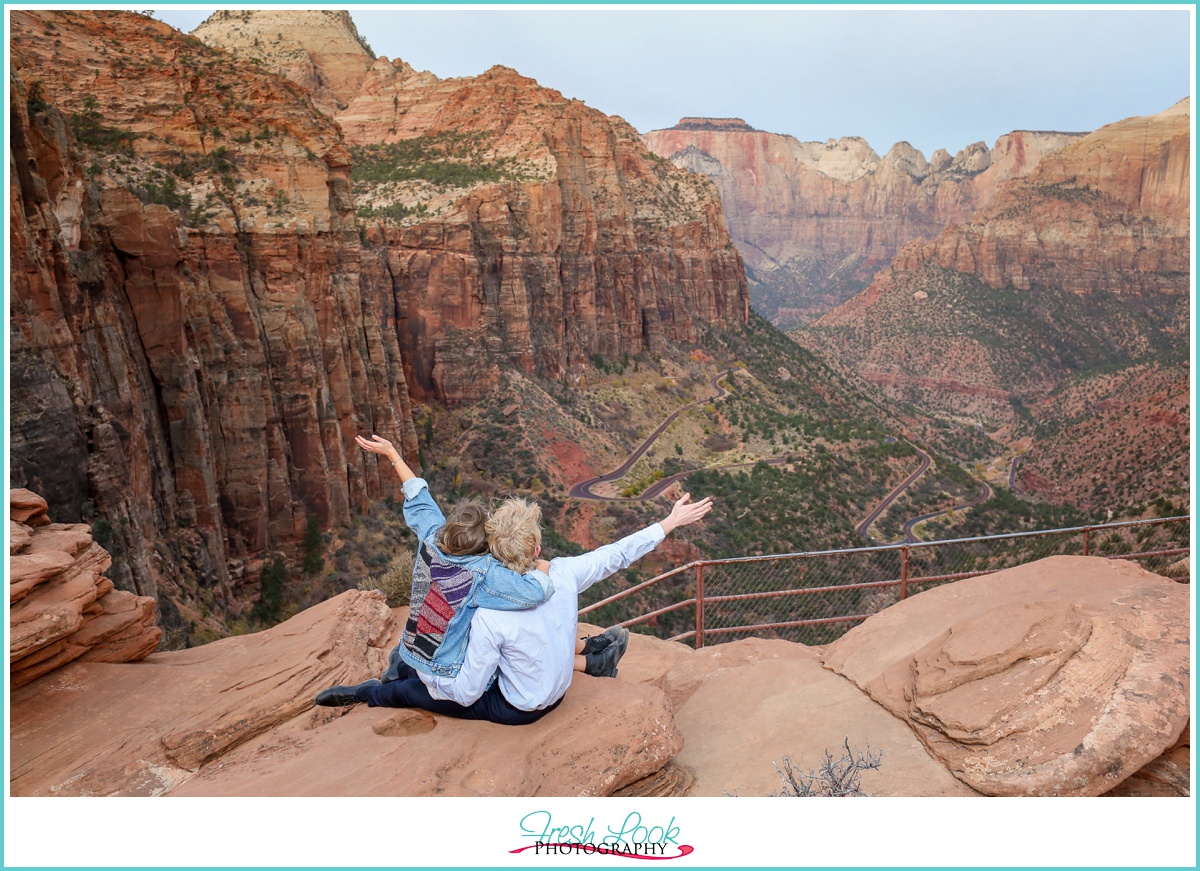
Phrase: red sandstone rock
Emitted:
{"points": [[236, 717], [793, 204], [63, 608], [26, 507], [1060, 677], [585, 243]]}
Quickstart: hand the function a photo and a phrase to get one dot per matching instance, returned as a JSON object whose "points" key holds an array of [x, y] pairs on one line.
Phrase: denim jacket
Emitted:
{"points": [[447, 590]]}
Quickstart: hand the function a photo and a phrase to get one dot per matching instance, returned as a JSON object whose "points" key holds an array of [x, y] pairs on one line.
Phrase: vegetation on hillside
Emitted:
{"points": [[1027, 341], [442, 159]]}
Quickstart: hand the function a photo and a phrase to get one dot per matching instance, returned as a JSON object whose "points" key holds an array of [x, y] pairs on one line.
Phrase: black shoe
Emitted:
{"points": [[397, 668], [345, 695], [604, 663], [596, 643]]}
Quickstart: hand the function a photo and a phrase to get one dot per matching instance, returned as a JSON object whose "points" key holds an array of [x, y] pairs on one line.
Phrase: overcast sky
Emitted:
{"points": [[938, 78]]}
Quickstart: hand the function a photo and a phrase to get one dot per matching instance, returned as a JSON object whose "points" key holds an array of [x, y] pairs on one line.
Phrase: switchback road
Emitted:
{"points": [[865, 525], [985, 494], [583, 490]]}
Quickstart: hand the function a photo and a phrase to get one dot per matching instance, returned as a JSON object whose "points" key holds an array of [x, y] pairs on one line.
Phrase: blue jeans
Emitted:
{"points": [[408, 692]]}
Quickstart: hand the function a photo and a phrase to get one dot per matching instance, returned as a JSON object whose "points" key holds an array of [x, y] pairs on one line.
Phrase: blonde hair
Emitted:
{"points": [[514, 533]]}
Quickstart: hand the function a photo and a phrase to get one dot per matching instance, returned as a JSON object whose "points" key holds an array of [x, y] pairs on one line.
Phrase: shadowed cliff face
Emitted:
{"points": [[191, 351], [510, 226]]}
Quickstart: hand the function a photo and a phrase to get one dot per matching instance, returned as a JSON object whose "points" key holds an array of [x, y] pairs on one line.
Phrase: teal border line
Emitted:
{"points": [[131, 832]]}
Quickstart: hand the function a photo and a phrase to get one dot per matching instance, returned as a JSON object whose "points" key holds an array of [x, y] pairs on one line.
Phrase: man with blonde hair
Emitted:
{"points": [[519, 664], [514, 533]]}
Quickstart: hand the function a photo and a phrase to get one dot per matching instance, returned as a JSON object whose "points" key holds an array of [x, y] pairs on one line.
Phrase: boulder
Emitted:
{"points": [[1060, 677], [25, 506], [96, 728]]}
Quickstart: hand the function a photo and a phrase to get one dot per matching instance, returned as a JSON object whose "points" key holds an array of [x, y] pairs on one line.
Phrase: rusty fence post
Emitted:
{"points": [[1087, 541], [699, 606], [904, 572]]}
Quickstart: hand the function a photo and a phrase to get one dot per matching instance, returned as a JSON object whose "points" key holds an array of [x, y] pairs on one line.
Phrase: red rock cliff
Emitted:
{"points": [[191, 353], [509, 225], [790, 203], [1109, 212], [1064, 303]]}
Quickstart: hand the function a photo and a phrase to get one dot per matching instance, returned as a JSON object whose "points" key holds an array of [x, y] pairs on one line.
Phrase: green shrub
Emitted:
{"points": [[313, 561], [271, 584], [89, 129]]}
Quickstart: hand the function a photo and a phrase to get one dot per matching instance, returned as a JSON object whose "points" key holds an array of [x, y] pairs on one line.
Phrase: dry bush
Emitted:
{"points": [[395, 581], [838, 778]]}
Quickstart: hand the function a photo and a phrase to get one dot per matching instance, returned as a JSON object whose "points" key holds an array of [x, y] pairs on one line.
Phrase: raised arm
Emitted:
{"points": [[382, 446], [421, 513], [586, 570], [684, 512]]}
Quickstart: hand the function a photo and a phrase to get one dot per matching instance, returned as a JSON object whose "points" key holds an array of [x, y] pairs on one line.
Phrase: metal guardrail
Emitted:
{"points": [[821, 604]]}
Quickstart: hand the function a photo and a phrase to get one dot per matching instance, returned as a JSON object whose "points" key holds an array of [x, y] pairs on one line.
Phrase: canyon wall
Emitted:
{"points": [[507, 225], [814, 220], [1110, 212], [191, 352]]}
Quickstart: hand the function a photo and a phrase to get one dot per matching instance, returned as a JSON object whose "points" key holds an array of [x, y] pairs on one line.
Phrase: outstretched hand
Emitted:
{"points": [[685, 511], [378, 445]]}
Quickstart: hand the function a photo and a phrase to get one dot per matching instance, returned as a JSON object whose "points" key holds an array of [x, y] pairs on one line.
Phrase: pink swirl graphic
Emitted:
{"points": [[600, 849]]}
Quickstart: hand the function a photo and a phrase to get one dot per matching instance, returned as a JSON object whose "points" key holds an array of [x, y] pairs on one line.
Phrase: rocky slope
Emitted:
{"points": [[510, 226], [191, 352], [1063, 677], [1115, 439], [1079, 269], [815, 220]]}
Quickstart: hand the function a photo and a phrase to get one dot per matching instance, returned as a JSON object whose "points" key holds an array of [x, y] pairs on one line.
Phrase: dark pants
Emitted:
{"points": [[408, 692]]}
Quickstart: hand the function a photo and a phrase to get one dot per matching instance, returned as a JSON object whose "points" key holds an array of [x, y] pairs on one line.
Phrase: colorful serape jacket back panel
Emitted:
{"points": [[442, 587]]}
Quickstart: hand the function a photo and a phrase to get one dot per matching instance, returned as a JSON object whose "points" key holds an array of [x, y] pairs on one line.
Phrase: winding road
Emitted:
{"points": [[985, 494], [1012, 474], [583, 490], [866, 523]]}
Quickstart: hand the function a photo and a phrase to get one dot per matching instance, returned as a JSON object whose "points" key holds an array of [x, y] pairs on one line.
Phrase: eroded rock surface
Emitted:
{"points": [[144, 728], [236, 717], [62, 607], [744, 705], [1060, 677], [806, 215], [191, 351]]}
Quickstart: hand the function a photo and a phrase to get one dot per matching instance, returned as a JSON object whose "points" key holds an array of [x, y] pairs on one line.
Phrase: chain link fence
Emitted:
{"points": [[813, 598]]}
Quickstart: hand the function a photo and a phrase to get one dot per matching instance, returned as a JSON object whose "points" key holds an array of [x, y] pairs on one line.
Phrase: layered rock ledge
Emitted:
{"points": [[62, 607]]}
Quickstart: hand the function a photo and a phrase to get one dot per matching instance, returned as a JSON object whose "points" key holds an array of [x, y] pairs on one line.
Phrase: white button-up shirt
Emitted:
{"points": [[535, 648]]}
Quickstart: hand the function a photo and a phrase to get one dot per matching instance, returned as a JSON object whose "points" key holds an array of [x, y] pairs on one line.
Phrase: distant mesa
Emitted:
{"points": [[732, 125]]}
